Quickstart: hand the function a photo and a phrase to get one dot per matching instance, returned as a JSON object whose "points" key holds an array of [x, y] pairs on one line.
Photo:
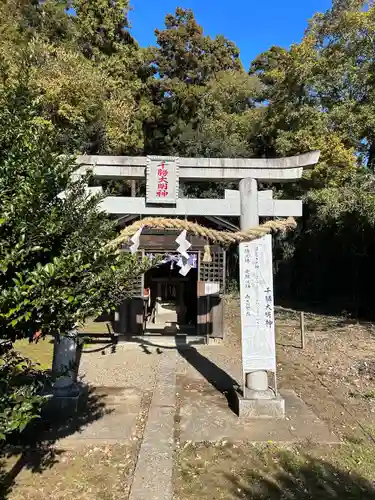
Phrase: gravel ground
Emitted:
{"points": [[128, 366]]}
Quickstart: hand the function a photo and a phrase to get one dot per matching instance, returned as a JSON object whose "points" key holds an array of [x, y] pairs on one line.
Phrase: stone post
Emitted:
{"points": [[258, 343], [66, 357], [257, 381]]}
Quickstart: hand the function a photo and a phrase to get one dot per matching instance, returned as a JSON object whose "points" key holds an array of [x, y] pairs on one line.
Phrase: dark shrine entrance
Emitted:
{"points": [[172, 300], [165, 301]]}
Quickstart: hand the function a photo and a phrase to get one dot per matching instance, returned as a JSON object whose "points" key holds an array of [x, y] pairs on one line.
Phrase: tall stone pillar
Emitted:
{"points": [[257, 318], [256, 382]]}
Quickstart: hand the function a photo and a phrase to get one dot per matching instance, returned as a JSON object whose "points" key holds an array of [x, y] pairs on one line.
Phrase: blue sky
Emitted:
{"points": [[254, 25]]}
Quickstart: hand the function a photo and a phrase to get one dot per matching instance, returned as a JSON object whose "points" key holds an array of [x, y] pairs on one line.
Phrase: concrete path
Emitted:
{"points": [[153, 473]]}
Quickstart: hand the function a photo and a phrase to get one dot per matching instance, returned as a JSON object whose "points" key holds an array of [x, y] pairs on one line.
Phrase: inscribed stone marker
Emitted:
{"points": [[257, 310]]}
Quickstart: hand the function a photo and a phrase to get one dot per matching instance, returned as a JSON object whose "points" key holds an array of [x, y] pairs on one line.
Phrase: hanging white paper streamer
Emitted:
{"points": [[185, 269], [135, 240], [183, 263], [184, 245]]}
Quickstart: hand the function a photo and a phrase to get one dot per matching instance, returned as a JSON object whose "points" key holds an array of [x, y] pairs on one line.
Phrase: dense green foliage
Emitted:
{"points": [[56, 268], [22, 384], [56, 265], [190, 95]]}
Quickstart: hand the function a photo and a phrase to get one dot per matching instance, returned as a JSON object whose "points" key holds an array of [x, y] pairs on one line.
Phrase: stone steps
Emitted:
{"points": [[167, 340]]}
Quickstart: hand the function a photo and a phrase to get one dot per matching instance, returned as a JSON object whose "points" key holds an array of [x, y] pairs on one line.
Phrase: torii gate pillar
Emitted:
{"points": [[257, 315]]}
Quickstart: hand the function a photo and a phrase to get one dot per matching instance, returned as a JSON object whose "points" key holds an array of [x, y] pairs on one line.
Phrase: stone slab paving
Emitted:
{"points": [[121, 381], [153, 472], [182, 394], [206, 377], [116, 422], [205, 416]]}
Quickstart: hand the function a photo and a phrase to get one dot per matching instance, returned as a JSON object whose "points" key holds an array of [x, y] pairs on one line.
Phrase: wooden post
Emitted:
{"points": [[302, 325], [202, 309]]}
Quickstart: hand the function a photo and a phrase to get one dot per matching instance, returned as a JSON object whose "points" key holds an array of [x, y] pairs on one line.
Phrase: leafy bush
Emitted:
{"points": [[22, 385], [57, 267]]}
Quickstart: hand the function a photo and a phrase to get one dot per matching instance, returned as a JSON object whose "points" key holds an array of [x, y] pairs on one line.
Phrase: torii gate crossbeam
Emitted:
{"points": [[215, 169]]}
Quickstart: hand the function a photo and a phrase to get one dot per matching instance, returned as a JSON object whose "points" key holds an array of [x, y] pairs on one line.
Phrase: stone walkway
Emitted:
{"points": [[161, 397], [153, 473]]}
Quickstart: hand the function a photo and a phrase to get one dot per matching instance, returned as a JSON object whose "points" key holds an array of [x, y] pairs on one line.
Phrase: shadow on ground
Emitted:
{"points": [[36, 448], [300, 478], [217, 377]]}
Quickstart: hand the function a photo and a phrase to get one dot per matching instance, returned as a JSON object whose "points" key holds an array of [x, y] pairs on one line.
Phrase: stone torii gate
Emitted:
{"points": [[164, 177]]}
